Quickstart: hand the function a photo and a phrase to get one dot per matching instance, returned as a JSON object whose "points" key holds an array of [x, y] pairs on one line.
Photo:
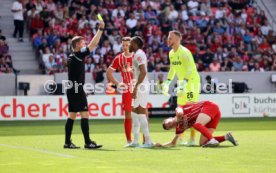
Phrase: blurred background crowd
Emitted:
{"points": [[223, 35]]}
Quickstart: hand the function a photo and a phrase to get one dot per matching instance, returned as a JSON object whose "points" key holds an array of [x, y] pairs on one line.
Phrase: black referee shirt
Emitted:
{"points": [[76, 66]]}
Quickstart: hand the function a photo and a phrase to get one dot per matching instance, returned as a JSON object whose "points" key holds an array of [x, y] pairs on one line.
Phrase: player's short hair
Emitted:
{"points": [[75, 40], [177, 33], [139, 41], [126, 39], [164, 125]]}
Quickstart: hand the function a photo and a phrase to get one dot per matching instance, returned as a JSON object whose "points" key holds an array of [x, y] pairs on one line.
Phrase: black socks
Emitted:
{"points": [[68, 130], [85, 130], [84, 127]]}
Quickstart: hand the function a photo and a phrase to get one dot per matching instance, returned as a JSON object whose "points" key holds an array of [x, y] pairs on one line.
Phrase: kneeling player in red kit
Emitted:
{"points": [[204, 117]]}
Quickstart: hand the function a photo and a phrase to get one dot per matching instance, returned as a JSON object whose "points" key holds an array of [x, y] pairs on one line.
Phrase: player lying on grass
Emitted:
{"points": [[204, 117]]}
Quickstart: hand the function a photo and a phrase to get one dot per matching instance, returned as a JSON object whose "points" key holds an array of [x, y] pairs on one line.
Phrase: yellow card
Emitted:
{"points": [[100, 17]]}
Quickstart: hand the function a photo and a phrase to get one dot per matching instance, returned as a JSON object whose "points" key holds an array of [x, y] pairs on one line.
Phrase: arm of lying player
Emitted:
{"points": [[141, 78], [169, 144], [94, 42]]}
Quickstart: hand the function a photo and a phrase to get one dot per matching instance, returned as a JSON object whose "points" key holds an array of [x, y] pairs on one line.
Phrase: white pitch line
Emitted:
{"points": [[38, 150]]}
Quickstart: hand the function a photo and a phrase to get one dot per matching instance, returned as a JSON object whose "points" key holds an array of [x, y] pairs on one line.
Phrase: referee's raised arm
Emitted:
{"points": [[94, 42]]}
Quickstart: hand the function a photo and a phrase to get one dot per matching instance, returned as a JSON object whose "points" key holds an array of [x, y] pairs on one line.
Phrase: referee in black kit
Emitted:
{"points": [[76, 96]]}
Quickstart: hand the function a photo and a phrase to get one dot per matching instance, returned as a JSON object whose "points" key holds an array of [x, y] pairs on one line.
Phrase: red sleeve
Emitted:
{"points": [[115, 63]]}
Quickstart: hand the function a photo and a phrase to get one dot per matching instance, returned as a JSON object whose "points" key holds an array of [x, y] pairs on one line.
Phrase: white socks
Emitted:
{"points": [[135, 127], [145, 127], [140, 120]]}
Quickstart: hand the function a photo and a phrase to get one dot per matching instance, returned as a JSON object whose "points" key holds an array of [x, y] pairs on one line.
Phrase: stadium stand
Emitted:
{"points": [[5, 58], [222, 35]]}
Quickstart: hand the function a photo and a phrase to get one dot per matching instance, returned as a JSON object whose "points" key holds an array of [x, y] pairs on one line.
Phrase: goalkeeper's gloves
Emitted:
{"points": [[166, 87], [180, 90]]}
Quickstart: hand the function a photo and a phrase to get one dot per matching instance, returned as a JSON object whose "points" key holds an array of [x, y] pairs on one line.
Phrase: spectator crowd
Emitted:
{"points": [[5, 58], [223, 35]]}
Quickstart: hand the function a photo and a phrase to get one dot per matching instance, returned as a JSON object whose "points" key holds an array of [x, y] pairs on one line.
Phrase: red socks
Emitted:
{"points": [[203, 130], [220, 138], [128, 126]]}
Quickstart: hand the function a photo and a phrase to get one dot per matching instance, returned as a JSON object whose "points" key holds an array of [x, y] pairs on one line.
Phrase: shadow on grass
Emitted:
{"points": [[223, 146], [186, 146], [135, 149], [163, 148], [101, 149]]}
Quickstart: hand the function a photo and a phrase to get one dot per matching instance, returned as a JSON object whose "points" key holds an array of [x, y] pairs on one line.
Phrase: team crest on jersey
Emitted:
{"points": [[127, 67]]}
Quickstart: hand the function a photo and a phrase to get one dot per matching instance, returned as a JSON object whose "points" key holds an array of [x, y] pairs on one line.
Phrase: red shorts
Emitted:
{"points": [[212, 110], [126, 101]]}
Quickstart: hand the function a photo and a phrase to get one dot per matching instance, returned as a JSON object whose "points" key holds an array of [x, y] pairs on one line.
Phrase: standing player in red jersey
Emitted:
{"points": [[204, 117], [123, 62]]}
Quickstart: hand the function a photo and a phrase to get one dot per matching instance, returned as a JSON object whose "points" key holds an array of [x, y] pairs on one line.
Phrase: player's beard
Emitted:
{"points": [[130, 49]]}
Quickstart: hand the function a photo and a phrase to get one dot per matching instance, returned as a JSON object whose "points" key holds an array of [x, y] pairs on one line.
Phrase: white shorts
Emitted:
{"points": [[142, 96]]}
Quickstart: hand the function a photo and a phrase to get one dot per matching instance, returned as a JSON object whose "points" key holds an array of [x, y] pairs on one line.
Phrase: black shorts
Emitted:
{"points": [[77, 101]]}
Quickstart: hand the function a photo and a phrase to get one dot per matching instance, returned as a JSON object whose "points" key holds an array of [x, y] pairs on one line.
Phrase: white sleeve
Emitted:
{"points": [[141, 59], [127, 22], [14, 6]]}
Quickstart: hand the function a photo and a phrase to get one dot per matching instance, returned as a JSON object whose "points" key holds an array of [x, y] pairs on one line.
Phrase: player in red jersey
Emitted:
{"points": [[204, 117], [123, 62]]}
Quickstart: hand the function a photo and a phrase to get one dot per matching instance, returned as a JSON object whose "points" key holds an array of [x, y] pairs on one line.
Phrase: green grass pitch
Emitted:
{"points": [[36, 147]]}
